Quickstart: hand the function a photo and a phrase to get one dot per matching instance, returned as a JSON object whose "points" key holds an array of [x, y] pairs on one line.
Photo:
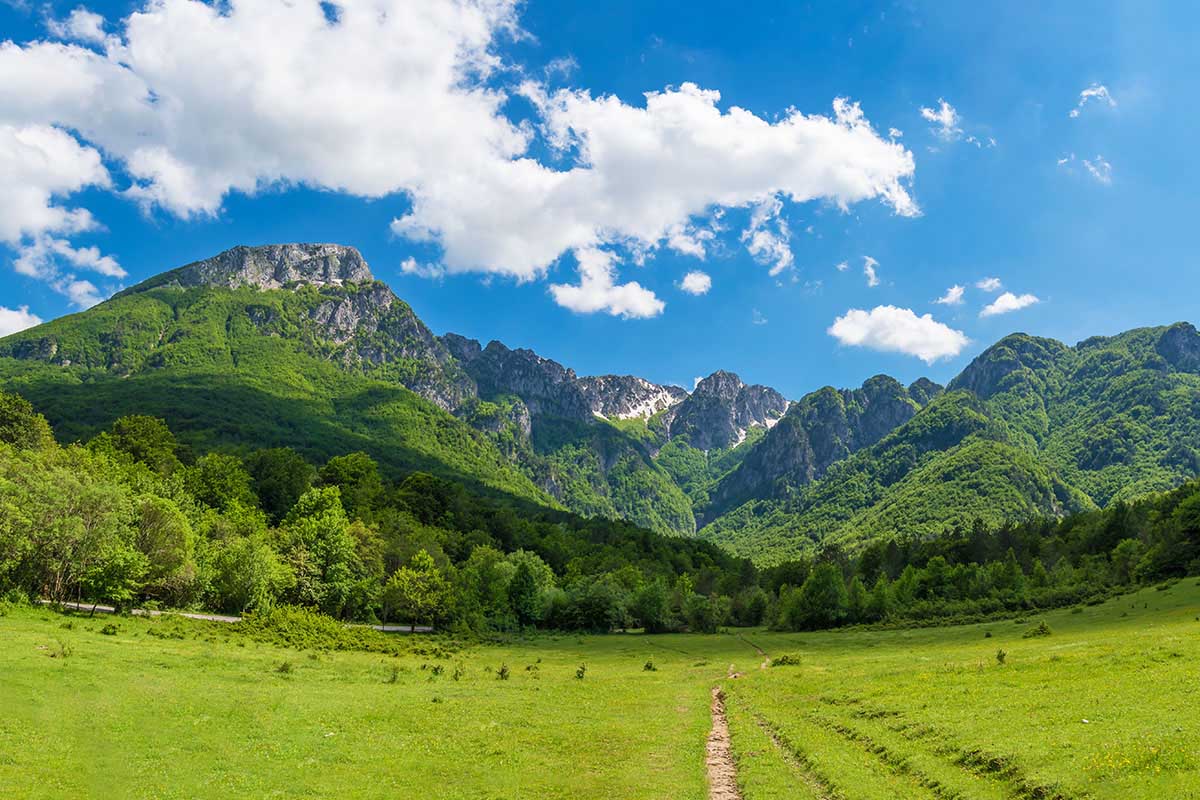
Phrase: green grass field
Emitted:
{"points": [[865, 714]]}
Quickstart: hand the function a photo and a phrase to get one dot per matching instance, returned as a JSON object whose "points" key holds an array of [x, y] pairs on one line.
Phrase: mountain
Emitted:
{"points": [[292, 345], [299, 345], [1030, 427]]}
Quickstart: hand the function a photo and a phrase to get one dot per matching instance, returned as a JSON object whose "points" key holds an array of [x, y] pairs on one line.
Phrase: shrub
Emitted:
{"points": [[987, 634], [285, 668], [502, 673], [579, 673], [649, 666], [109, 630], [786, 660], [1000, 656], [1041, 629]]}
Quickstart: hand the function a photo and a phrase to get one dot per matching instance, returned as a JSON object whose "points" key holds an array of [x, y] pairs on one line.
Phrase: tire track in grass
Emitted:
{"points": [[801, 766], [718, 762], [1002, 776]]}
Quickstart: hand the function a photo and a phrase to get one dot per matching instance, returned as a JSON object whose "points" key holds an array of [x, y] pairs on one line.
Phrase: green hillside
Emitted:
{"points": [[1032, 427], [240, 369]]}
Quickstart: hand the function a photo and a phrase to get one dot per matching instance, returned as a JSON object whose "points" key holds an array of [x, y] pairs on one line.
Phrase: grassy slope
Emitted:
{"points": [[927, 713], [222, 380], [867, 714]]}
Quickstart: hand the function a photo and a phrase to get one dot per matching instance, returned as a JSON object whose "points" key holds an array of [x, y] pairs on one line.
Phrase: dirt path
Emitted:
{"points": [[766, 662], [722, 773]]}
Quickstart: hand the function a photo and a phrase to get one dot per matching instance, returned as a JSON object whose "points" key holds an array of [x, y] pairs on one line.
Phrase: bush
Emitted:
{"points": [[109, 630], [502, 673], [579, 673], [1041, 629], [1001, 656], [649, 666], [786, 660]]}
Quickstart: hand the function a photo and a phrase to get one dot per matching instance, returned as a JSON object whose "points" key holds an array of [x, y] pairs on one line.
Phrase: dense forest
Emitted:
{"points": [[133, 517]]}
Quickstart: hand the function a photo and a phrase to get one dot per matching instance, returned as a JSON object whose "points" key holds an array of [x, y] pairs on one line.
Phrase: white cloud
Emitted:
{"points": [[1098, 92], [193, 101], [410, 266], [598, 292], [952, 297], [757, 318], [898, 330], [895, 133], [1007, 303], [1099, 169], [81, 25], [696, 282], [17, 319], [767, 236], [989, 284], [869, 265], [843, 266], [946, 118]]}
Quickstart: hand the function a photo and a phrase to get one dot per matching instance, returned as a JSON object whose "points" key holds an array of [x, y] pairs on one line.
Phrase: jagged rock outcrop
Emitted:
{"points": [[550, 389], [721, 409], [271, 266], [1180, 346], [627, 396], [546, 387], [819, 430], [922, 390]]}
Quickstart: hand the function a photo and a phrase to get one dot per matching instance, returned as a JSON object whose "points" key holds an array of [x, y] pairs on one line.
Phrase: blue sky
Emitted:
{"points": [[1091, 214]]}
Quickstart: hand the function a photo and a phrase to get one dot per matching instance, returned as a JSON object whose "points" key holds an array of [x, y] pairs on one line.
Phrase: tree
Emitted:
{"points": [[147, 440], [165, 538], [281, 476], [821, 601], [651, 606], [523, 595], [248, 575], [880, 604], [323, 552], [857, 600], [219, 480], [20, 425], [418, 590], [357, 476]]}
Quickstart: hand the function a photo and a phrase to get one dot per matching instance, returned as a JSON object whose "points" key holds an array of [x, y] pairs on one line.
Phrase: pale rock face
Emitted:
{"points": [[627, 396], [721, 409], [271, 267]]}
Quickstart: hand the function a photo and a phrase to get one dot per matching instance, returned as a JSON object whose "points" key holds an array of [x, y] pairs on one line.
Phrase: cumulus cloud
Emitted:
{"points": [[410, 266], [597, 290], [898, 330], [1007, 303], [952, 297], [842, 266], [80, 25], [696, 282], [945, 119], [192, 101], [1097, 92], [869, 265], [757, 318], [17, 319], [989, 284]]}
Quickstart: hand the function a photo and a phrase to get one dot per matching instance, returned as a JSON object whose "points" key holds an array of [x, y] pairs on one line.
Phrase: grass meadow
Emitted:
{"points": [[1103, 706]]}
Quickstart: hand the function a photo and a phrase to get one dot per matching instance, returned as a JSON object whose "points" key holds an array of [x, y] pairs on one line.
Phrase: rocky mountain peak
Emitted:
{"points": [[721, 409], [1180, 346], [272, 266], [627, 396]]}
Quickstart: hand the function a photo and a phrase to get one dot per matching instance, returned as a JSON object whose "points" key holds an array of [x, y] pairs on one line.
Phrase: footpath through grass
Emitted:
{"points": [[169, 708]]}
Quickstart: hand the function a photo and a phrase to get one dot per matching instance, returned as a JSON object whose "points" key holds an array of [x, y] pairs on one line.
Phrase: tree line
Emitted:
{"points": [[132, 518]]}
